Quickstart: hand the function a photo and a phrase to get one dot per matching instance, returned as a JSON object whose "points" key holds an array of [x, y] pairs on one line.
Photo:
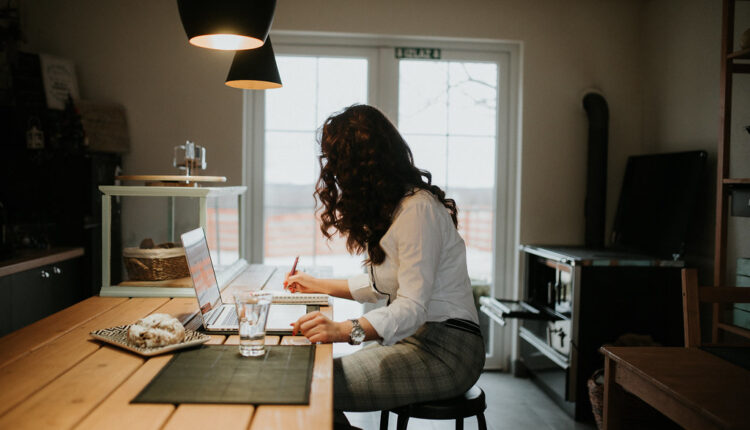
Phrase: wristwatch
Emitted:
{"points": [[357, 335]]}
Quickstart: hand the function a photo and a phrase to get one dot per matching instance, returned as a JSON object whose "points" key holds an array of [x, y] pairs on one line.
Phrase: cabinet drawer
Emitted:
{"points": [[37, 293]]}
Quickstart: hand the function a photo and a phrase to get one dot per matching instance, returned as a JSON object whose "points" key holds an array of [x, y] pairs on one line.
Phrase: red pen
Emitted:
{"points": [[294, 269], [294, 266]]}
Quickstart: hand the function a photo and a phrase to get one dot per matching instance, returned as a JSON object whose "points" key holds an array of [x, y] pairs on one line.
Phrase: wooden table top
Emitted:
{"points": [[53, 375], [699, 380]]}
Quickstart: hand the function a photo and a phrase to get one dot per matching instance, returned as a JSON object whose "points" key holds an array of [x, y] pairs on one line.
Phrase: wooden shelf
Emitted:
{"points": [[734, 329], [736, 55], [736, 181]]}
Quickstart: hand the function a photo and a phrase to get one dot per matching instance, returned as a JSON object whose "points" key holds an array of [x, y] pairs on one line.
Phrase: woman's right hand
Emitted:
{"points": [[301, 282]]}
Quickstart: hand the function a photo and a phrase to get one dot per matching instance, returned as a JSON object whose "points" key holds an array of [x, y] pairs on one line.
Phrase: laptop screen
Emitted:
{"points": [[201, 270]]}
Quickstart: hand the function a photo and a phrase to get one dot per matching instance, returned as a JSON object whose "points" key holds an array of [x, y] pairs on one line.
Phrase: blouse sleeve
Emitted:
{"points": [[419, 244], [360, 286]]}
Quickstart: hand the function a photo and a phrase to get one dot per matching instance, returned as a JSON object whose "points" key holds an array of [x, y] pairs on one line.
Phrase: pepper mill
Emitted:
{"points": [[189, 157]]}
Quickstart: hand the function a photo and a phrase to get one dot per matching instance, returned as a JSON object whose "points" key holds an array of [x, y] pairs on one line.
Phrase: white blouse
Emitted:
{"points": [[424, 273]]}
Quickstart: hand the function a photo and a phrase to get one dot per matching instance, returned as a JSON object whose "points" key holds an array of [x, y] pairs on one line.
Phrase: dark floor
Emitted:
{"points": [[512, 403]]}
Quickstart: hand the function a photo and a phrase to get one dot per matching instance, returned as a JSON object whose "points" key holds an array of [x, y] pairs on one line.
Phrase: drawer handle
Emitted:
{"points": [[56, 270], [45, 274]]}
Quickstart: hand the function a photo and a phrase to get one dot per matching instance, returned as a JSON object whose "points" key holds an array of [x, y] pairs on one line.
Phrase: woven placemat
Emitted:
{"points": [[219, 374]]}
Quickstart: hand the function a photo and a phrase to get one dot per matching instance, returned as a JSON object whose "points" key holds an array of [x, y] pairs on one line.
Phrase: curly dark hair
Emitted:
{"points": [[366, 169]]}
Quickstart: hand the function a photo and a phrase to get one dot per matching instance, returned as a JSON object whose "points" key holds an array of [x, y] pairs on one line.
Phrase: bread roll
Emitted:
{"points": [[156, 330]]}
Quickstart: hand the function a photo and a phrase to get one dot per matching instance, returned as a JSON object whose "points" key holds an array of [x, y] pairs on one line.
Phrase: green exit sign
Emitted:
{"points": [[418, 53]]}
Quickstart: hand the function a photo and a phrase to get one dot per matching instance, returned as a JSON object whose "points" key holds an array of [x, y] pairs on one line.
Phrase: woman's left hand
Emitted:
{"points": [[317, 327]]}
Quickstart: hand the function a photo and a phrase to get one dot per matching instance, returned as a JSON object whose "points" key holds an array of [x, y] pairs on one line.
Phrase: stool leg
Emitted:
{"points": [[403, 420], [384, 420], [482, 423], [459, 424]]}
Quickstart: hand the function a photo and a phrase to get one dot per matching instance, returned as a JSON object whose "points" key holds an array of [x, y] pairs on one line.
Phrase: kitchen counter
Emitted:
{"points": [[33, 258]]}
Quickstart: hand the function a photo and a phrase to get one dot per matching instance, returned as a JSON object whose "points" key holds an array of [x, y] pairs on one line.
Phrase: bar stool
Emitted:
{"points": [[469, 404]]}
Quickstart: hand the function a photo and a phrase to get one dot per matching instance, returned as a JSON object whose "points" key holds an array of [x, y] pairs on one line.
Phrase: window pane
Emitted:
{"points": [[291, 157], [448, 114], [422, 102], [292, 107], [472, 99], [430, 153], [341, 82], [314, 88], [472, 162]]}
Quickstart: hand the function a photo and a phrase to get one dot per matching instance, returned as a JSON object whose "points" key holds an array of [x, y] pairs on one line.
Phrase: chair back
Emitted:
{"points": [[693, 296]]}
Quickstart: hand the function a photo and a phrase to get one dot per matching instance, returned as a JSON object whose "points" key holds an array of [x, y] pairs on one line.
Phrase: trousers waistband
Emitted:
{"points": [[465, 325]]}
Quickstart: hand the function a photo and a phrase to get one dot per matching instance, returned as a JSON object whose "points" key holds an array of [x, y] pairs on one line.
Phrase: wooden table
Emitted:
{"points": [[692, 387], [53, 375]]}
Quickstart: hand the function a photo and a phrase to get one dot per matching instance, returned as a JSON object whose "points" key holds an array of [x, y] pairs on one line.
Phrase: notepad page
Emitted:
{"points": [[280, 317]]}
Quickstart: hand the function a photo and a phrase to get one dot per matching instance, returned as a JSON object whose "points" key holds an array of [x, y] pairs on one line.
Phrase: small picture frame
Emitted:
{"points": [[59, 77]]}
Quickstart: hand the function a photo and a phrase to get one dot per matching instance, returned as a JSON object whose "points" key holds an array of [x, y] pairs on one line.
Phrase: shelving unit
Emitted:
{"points": [[733, 62]]}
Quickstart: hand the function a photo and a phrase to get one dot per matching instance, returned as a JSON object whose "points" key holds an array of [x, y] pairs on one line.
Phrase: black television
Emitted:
{"points": [[658, 200]]}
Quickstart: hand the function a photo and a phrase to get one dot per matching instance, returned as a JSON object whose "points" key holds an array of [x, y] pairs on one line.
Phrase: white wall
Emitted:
{"points": [[135, 52]]}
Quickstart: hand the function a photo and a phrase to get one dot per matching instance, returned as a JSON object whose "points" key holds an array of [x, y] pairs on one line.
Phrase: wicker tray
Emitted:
{"points": [[118, 336], [157, 264]]}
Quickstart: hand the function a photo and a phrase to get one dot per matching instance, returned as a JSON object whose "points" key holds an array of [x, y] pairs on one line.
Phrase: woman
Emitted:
{"points": [[429, 345]]}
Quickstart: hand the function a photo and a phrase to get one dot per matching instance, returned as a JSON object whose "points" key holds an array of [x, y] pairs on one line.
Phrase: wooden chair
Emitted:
{"points": [[467, 405], [693, 295]]}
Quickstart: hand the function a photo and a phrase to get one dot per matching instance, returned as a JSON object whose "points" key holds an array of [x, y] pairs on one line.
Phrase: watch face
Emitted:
{"points": [[358, 335]]}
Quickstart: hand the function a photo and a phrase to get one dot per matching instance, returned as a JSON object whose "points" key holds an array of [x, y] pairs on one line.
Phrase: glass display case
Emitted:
{"points": [[153, 218]]}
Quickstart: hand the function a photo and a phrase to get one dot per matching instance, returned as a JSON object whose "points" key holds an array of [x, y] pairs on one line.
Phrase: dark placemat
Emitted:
{"points": [[219, 374], [737, 355]]}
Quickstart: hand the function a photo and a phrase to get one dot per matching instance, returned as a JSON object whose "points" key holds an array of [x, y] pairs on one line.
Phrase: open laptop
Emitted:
{"points": [[216, 315]]}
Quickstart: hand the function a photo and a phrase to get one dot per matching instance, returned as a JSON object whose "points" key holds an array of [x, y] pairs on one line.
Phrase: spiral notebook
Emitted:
{"points": [[300, 298]]}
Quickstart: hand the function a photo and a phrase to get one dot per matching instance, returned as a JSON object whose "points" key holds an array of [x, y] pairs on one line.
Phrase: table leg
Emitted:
{"points": [[613, 397]]}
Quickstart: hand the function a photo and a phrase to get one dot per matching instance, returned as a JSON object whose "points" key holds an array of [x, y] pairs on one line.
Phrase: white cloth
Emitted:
{"points": [[424, 273]]}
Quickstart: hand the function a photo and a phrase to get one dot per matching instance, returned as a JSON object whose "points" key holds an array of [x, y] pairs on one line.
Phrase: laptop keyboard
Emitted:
{"points": [[230, 319], [225, 317]]}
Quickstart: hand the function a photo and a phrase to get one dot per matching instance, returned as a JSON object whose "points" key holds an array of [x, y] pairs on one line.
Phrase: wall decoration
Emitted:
{"points": [[105, 125], [60, 81]]}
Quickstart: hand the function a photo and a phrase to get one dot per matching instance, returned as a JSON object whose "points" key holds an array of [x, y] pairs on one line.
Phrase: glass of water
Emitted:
{"points": [[252, 314]]}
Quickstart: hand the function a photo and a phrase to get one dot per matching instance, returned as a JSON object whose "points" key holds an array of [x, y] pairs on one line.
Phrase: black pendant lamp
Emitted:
{"points": [[254, 69], [227, 24]]}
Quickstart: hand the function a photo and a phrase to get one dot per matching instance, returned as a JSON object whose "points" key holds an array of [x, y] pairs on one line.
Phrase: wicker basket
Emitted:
{"points": [[155, 264], [596, 396]]}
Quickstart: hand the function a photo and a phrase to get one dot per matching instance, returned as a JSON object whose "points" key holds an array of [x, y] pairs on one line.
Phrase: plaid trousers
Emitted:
{"points": [[436, 362]]}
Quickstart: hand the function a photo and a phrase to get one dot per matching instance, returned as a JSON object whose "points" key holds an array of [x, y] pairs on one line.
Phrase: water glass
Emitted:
{"points": [[252, 315]]}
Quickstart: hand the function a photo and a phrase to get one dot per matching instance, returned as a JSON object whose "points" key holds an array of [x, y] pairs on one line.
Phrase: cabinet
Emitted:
{"points": [[734, 63], [35, 293]]}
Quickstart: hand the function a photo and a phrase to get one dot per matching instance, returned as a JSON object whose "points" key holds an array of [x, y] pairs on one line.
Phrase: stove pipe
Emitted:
{"points": [[596, 170]]}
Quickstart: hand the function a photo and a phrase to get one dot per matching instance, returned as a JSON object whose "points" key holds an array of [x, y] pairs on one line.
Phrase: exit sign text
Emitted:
{"points": [[418, 53]]}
